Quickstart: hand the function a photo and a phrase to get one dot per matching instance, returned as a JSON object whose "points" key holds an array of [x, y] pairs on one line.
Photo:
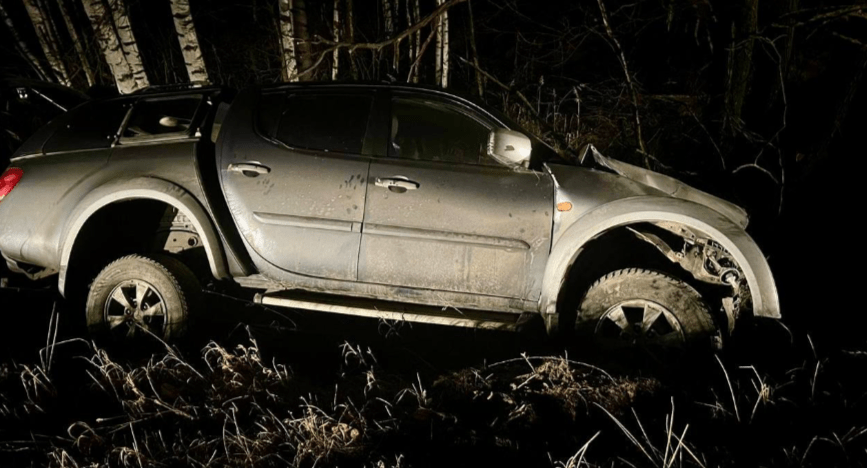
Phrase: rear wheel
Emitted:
{"points": [[644, 311], [139, 294]]}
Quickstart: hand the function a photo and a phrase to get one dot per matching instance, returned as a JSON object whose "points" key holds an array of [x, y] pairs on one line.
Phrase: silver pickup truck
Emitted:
{"points": [[385, 201]]}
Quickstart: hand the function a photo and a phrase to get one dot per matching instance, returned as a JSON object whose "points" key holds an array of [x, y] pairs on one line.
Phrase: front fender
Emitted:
{"points": [[651, 208], [143, 188]]}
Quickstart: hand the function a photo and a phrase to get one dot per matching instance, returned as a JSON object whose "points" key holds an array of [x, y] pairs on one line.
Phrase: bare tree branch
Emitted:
{"points": [[376, 46], [632, 93]]}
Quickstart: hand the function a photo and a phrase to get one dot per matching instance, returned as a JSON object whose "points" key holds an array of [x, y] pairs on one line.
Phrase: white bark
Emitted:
{"points": [[77, 42], [189, 41], [287, 39], [49, 44], [410, 22], [335, 63], [128, 43], [445, 55], [110, 45], [439, 47], [22, 45]]}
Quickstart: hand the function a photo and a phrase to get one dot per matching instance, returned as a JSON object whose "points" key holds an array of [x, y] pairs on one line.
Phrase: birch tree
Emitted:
{"points": [[302, 36], [128, 42], [336, 32], [21, 45], [189, 41], [442, 47], [47, 40], [109, 44], [350, 31], [77, 42], [416, 11], [287, 41], [395, 24]]}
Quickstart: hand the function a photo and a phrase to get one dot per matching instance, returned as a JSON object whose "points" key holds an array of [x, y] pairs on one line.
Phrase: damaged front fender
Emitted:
{"points": [[642, 209]]}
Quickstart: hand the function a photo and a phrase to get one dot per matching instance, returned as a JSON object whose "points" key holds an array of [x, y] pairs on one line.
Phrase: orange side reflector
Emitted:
{"points": [[564, 206]]}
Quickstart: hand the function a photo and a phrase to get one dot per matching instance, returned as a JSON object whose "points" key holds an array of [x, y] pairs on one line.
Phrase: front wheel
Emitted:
{"points": [[139, 294], [643, 310]]}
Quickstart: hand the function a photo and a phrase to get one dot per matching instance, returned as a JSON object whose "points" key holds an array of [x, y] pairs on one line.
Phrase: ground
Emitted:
{"points": [[295, 388]]}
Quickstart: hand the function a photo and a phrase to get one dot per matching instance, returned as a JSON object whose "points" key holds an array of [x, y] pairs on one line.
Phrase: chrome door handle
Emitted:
{"points": [[401, 184], [249, 169]]}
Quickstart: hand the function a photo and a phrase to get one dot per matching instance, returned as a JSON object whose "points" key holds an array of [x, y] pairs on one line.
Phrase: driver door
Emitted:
{"points": [[442, 215]]}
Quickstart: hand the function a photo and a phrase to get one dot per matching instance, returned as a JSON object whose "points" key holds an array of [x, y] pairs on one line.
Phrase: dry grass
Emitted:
{"points": [[231, 407]]}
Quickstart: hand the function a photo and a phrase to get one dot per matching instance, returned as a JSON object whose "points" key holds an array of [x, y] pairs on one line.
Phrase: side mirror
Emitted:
{"points": [[509, 147]]}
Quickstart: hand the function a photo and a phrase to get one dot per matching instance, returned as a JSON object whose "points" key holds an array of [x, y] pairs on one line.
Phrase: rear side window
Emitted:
{"points": [[91, 126], [334, 123], [432, 131], [161, 117]]}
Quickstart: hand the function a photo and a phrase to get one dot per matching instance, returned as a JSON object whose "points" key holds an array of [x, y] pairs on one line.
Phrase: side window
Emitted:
{"points": [[432, 131], [90, 126], [161, 118], [335, 123]]}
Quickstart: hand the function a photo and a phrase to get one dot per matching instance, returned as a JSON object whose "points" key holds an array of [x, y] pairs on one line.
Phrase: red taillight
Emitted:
{"points": [[9, 180]]}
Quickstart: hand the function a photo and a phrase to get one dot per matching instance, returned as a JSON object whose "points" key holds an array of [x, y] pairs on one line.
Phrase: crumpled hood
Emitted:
{"points": [[671, 186]]}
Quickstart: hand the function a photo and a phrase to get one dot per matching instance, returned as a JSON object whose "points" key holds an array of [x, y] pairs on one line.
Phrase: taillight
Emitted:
{"points": [[9, 180]]}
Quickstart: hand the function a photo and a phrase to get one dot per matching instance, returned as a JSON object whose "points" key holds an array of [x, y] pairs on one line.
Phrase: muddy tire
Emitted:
{"points": [[157, 293], [641, 310]]}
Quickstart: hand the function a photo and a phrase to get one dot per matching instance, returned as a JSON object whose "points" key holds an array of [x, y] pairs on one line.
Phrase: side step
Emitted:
{"points": [[385, 310]]}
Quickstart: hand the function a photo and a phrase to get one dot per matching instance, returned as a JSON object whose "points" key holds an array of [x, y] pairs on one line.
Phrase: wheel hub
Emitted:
{"points": [[134, 305], [640, 322]]}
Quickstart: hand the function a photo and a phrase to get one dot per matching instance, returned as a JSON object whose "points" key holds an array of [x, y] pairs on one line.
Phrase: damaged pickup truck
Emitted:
{"points": [[384, 201]]}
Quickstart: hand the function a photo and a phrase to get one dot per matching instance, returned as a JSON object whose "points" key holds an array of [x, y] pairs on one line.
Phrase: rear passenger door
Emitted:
{"points": [[296, 183]]}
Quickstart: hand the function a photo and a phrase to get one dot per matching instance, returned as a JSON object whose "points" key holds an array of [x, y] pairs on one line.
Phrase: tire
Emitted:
{"points": [[635, 309], [169, 291]]}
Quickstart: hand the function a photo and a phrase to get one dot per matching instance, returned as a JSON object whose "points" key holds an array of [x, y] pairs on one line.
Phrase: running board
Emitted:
{"points": [[448, 316]]}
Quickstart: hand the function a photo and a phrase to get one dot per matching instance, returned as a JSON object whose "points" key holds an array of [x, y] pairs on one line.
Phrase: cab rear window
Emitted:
{"points": [[91, 126]]}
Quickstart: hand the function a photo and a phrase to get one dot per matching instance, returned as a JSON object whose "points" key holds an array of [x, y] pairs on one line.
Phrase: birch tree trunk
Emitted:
{"points": [[287, 40], [189, 41], [335, 63], [410, 22], [110, 45], [128, 42], [49, 44], [445, 55], [22, 46], [439, 47], [77, 42]]}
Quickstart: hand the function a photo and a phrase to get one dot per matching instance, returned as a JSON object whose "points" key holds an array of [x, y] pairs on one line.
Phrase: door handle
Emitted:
{"points": [[249, 169], [396, 184]]}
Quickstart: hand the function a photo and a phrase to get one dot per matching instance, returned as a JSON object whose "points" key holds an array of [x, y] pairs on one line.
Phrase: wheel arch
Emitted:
{"points": [[570, 246], [142, 188]]}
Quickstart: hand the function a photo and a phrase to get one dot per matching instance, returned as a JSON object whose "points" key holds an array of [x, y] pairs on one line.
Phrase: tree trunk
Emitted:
{"points": [[740, 59], [110, 45], [439, 47], [445, 28], [128, 42], [302, 37], [77, 42], [287, 40], [350, 31], [49, 44], [22, 46], [189, 41], [335, 62], [479, 82], [416, 11], [395, 23]]}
